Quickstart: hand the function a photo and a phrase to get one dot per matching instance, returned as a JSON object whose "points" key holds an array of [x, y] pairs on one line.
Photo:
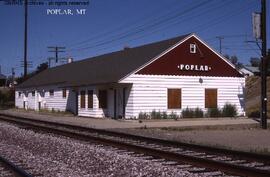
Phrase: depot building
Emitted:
{"points": [[170, 75]]}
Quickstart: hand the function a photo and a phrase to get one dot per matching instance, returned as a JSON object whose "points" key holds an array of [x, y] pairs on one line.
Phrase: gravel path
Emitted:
{"points": [[52, 155], [249, 139]]}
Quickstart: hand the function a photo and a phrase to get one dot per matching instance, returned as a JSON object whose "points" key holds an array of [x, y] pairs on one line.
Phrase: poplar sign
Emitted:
{"points": [[187, 67]]}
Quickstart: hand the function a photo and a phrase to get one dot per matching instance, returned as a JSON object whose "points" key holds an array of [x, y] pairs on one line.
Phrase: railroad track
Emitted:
{"points": [[195, 158], [9, 169]]}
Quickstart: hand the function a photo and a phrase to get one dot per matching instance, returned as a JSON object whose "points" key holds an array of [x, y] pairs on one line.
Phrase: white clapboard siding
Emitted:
{"points": [[32, 101], [19, 99], [90, 112], [56, 102], [149, 92]]}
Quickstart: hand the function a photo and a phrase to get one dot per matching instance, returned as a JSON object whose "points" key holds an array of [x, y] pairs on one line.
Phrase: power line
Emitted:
{"points": [[136, 32], [56, 50], [220, 38], [150, 33], [128, 26], [143, 28]]}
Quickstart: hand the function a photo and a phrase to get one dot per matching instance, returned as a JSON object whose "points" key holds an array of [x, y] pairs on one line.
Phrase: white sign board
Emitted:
{"points": [[256, 25], [187, 67]]}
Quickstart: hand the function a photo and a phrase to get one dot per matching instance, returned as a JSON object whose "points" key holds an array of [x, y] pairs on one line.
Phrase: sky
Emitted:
{"points": [[109, 26]]}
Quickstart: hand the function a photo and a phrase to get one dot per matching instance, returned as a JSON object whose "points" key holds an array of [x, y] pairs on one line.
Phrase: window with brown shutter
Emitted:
{"points": [[102, 98], [64, 93], [90, 98], [174, 98], [51, 92], [82, 99], [210, 98]]}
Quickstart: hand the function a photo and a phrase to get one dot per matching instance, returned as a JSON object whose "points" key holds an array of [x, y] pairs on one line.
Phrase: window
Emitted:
{"points": [[82, 99], [33, 93], [192, 48], [64, 93], [51, 92], [90, 98], [210, 98], [102, 98], [174, 98], [20, 94]]}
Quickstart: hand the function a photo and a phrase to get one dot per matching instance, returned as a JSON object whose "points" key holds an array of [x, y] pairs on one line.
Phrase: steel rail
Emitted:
{"points": [[207, 163], [16, 169], [246, 155]]}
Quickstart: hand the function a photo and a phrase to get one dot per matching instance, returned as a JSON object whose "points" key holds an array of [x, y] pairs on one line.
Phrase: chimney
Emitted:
{"points": [[126, 47], [70, 60]]}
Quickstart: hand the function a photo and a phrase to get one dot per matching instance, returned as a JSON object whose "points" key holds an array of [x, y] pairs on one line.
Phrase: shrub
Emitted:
{"points": [[198, 113], [7, 97], [213, 112], [192, 113], [229, 110], [173, 115], [143, 115], [156, 115], [254, 114], [164, 115], [153, 114], [187, 113]]}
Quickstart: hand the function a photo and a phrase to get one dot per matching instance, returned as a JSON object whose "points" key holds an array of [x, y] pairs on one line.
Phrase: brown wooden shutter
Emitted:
{"points": [[174, 98], [90, 98], [51, 92], [210, 98], [64, 93], [82, 99], [102, 98]]}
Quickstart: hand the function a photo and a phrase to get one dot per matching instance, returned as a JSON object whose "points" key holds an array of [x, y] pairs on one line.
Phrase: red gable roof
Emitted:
{"points": [[180, 61]]}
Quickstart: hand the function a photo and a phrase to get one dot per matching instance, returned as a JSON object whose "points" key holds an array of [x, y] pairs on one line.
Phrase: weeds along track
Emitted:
{"points": [[201, 160]]}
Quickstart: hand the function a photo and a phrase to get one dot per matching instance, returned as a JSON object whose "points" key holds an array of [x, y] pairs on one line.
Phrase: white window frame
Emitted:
{"points": [[192, 48]]}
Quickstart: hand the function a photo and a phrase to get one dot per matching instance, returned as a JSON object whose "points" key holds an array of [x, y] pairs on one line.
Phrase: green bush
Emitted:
{"points": [[164, 115], [143, 115], [153, 114], [187, 113], [7, 98], [158, 115], [173, 115], [192, 113], [214, 112], [198, 113], [229, 110]]}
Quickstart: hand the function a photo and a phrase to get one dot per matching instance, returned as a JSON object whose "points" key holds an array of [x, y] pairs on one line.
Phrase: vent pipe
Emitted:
{"points": [[70, 60]]}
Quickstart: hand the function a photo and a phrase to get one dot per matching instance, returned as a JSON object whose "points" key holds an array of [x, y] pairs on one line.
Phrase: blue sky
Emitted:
{"points": [[110, 25]]}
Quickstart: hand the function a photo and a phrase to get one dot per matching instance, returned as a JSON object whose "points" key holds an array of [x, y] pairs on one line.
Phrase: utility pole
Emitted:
{"points": [[56, 50], [13, 75], [220, 43], [264, 67], [25, 36]]}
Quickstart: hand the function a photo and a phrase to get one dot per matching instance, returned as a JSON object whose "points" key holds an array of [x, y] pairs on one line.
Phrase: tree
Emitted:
{"points": [[40, 68], [255, 62], [234, 60]]}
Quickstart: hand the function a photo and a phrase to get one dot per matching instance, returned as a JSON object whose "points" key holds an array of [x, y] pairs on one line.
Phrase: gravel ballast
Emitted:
{"points": [[51, 155]]}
